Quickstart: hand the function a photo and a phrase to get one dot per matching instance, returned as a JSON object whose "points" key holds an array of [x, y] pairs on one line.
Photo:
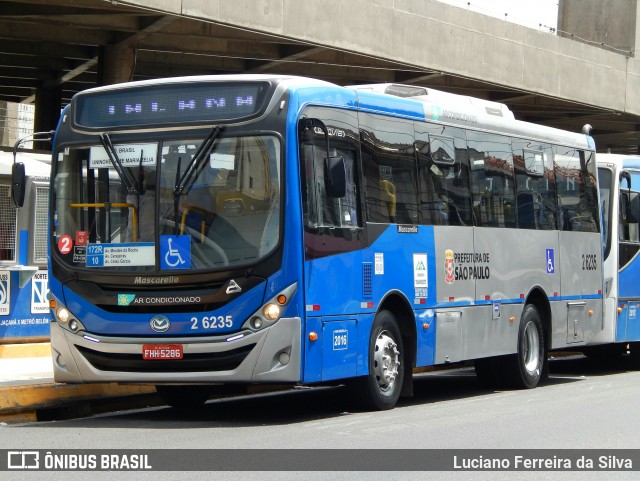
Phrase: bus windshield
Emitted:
{"points": [[149, 205]]}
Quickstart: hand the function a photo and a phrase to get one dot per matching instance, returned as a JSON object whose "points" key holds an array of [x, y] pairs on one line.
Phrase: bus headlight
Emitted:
{"points": [[63, 315], [271, 311], [67, 321]]}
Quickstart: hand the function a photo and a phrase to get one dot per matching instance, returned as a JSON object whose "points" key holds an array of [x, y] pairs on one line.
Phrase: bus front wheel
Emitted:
{"points": [[525, 368], [381, 388]]}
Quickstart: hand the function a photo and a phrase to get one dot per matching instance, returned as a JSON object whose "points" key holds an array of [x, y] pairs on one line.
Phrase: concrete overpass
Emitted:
{"points": [[51, 49]]}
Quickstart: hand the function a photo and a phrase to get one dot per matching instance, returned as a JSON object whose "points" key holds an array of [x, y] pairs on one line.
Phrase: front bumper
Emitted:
{"points": [[272, 355]]}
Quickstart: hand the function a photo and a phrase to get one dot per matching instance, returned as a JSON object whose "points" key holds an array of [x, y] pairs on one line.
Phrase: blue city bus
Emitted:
{"points": [[619, 183], [244, 229]]}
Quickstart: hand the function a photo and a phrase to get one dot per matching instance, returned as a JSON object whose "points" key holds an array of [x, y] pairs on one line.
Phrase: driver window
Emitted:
{"points": [[319, 209]]}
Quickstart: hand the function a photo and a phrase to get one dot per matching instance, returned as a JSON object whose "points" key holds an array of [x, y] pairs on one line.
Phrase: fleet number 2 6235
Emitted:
{"points": [[212, 322]]}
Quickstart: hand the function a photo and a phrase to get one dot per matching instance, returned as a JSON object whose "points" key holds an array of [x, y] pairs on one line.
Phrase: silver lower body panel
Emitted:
{"points": [[268, 356]]}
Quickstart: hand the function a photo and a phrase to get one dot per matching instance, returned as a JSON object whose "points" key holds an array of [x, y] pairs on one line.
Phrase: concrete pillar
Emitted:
{"points": [[611, 24], [116, 64], [4, 123], [47, 113]]}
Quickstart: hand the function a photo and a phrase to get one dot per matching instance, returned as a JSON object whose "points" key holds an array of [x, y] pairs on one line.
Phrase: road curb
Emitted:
{"points": [[25, 402], [13, 351]]}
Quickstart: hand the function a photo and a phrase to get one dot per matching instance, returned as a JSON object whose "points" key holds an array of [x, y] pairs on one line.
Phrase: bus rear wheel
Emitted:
{"points": [[525, 368], [381, 388]]}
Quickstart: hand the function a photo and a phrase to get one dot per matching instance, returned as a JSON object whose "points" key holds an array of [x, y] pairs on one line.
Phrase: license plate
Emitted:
{"points": [[161, 352]]}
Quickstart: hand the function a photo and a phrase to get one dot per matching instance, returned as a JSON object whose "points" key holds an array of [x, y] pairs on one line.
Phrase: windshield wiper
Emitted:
{"points": [[126, 177], [194, 167], [197, 162]]}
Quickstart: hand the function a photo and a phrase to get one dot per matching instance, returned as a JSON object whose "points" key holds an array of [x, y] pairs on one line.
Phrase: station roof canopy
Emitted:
{"points": [[57, 44]]}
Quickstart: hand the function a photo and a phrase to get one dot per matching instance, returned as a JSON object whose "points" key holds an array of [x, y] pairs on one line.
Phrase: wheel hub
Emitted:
{"points": [[386, 361], [531, 348]]}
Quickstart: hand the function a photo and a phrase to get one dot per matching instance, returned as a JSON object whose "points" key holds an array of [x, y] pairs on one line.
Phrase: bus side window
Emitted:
{"points": [[443, 177], [535, 185], [388, 159], [492, 179], [628, 230], [577, 195]]}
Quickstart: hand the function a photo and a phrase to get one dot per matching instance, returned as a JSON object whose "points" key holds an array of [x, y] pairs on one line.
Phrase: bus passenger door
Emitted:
{"points": [[580, 248]]}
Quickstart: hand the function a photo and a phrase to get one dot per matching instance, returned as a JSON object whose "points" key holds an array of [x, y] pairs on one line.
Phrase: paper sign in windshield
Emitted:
{"points": [[128, 154], [222, 161]]}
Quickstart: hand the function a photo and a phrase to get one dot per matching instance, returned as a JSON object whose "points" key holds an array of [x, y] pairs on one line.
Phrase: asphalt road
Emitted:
{"points": [[582, 406]]}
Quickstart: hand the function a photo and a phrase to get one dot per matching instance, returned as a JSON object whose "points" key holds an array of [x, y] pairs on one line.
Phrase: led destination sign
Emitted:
{"points": [[169, 104]]}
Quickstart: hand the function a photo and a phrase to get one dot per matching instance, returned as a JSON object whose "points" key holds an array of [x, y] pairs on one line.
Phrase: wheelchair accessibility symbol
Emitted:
{"points": [[551, 268], [175, 252]]}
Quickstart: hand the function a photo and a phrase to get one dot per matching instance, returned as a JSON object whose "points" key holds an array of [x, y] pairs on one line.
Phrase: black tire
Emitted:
{"points": [[381, 388], [184, 397], [524, 369]]}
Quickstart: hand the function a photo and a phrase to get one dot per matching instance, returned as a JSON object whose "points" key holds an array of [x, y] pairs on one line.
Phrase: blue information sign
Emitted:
{"points": [[175, 252], [551, 262]]}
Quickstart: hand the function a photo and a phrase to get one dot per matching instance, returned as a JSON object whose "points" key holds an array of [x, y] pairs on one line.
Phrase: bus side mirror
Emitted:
{"points": [[18, 184], [335, 177], [633, 208]]}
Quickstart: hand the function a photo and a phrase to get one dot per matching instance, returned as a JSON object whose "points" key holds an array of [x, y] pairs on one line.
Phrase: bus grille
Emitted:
{"points": [[222, 361]]}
